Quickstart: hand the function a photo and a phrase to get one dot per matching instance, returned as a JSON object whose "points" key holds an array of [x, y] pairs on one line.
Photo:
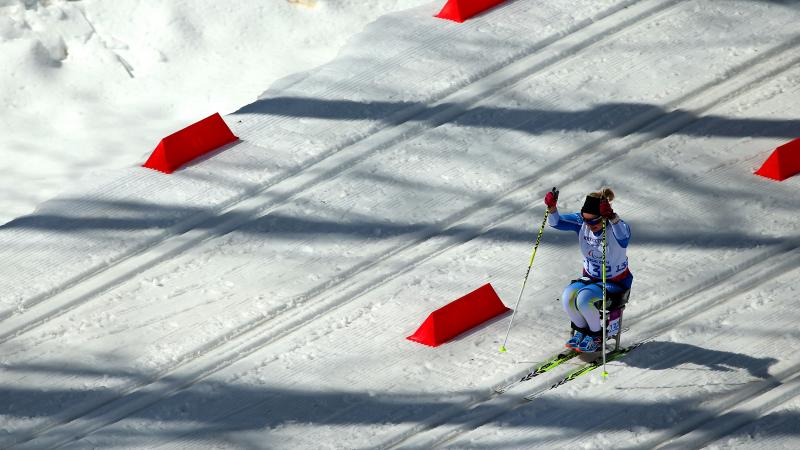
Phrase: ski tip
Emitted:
{"points": [[503, 349]]}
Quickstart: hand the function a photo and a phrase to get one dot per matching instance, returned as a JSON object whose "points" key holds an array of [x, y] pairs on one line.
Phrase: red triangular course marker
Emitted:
{"points": [[783, 163], [461, 10], [459, 316], [190, 143]]}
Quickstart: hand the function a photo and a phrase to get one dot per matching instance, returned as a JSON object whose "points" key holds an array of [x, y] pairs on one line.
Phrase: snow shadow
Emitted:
{"points": [[134, 216], [211, 409], [664, 355], [608, 117], [68, 215], [284, 226], [774, 424]]}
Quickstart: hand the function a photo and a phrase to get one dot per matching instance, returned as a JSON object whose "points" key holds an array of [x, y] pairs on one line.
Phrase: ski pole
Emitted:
{"points": [[530, 264], [605, 373]]}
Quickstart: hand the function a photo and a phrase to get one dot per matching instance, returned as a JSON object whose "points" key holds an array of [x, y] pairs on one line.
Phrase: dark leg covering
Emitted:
{"points": [[584, 330]]}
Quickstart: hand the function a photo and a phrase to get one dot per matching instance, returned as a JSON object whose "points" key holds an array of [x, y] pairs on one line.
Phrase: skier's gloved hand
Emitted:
{"points": [[551, 199], [606, 210]]}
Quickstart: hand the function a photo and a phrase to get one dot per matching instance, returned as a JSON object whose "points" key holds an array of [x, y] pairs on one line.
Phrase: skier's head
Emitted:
{"points": [[591, 207]]}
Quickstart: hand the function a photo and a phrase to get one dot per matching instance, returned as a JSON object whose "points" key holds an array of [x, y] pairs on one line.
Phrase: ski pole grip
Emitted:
{"points": [[555, 193]]}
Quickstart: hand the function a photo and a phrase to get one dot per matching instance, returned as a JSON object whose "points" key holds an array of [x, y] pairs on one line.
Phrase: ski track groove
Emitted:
{"points": [[752, 274], [438, 34], [741, 410], [307, 318], [218, 213], [176, 229]]}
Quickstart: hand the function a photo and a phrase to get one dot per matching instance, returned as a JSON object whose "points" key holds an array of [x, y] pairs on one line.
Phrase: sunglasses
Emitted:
{"points": [[594, 221]]}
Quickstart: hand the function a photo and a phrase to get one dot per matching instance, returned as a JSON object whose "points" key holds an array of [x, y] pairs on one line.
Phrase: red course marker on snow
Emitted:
{"points": [[783, 162], [189, 143], [461, 10], [459, 316]]}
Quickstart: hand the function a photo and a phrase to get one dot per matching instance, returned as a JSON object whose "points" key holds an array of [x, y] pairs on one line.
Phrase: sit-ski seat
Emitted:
{"points": [[615, 305]]}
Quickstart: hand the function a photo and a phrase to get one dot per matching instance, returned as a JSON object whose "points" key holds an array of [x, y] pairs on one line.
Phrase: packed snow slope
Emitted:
{"points": [[92, 85], [260, 297]]}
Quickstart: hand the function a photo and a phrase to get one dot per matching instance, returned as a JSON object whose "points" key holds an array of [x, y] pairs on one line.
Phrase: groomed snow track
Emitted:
{"points": [[518, 99]]}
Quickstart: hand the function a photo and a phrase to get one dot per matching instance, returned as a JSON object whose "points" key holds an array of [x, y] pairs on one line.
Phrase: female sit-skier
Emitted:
{"points": [[581, 298]]}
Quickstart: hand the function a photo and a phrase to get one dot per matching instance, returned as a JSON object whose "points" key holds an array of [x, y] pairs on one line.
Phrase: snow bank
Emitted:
{"points": [[91, 85]]}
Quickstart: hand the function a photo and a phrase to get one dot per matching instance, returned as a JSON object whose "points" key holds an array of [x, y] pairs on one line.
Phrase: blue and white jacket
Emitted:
{"points": [[591, 245]]}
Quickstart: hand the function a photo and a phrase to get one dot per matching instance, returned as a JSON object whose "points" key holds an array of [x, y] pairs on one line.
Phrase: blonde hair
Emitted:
{"points": [[605, 193]]}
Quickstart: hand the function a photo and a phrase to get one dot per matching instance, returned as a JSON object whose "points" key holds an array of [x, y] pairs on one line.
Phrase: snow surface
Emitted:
{"points": [[260, 297], [90, 86]]}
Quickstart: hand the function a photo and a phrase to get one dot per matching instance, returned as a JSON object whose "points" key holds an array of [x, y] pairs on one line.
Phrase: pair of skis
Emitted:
{"points": [[559, 359], [594, 364], [542, 368]]}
